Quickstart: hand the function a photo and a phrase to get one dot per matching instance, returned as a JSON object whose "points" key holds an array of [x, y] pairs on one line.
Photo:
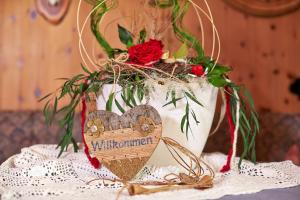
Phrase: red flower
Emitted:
{"points": [[198, 70], [146, 53]]}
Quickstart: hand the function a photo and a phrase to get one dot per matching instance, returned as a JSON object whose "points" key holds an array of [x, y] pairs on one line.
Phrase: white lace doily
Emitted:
{"points": [[37, 173]]}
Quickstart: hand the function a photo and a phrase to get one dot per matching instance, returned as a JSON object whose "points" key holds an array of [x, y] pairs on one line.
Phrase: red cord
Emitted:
{"points": [[226, 167], [94, 161]]}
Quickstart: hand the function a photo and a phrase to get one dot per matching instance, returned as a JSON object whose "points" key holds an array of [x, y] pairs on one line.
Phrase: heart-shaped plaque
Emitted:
{"points": [[124, 143]]}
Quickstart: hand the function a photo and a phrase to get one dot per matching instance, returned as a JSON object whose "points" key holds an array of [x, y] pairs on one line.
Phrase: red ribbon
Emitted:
{"points": [[226, 167], [94, 161]]}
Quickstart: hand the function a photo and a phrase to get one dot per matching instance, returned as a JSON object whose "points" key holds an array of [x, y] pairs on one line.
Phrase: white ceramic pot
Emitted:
{"points": [[171, 116]]}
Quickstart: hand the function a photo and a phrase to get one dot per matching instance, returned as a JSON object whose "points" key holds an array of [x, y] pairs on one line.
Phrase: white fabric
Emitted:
{"points": [[37, 173], [171, 117]]}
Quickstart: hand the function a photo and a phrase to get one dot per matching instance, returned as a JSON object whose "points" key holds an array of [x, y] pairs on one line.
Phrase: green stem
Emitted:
{"points": [[177, 17], [100, 10]]}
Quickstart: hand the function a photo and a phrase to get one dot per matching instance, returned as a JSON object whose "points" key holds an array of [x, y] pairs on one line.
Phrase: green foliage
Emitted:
{"points": [[133, 87], [72, 89], [217, 76], [110, 102], [125, 36], [178, 13], [100, 10], [185, 120], [182, 52], [143, 35], [248, 121], [121, 109], [161, 3], [192, 97]]}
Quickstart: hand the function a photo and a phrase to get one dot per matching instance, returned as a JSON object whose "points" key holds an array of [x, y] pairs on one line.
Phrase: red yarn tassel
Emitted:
{"points": [[226, 167], [94, 161]]}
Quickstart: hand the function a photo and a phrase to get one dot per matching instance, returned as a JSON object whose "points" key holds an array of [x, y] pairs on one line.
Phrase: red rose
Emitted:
{"points": [[198, 70], [146, 53]]}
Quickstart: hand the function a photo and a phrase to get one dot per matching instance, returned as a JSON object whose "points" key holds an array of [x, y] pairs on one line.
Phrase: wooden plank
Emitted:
{"points": [[33, 52]]}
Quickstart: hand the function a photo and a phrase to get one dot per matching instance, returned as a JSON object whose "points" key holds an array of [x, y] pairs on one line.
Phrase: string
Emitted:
{"points": [[222, 113], [237, 112], [194, 178], [201, 27], [212, 22], [226, 167], [214, 30], [93, 160], [233, 128], [80, 31]]}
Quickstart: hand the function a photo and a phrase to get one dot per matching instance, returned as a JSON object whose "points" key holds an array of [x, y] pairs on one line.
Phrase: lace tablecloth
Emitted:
{"points": [[37, 173]]}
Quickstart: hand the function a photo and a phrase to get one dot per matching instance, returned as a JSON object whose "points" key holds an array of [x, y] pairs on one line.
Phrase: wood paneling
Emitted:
{"points": [[264, 52]]}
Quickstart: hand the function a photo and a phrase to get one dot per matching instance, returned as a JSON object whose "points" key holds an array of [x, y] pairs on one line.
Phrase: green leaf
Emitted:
{"points": [[109, 102], [130, 96], [255, 119], [85, 69], [173, 101], [81, 88], [187, 111], [44, 97], [182, 123], [219, 70], [193, 98], [245, 121], [63, 109], [187, 126], [100, 10], [182, 52], [140, 92], [173, 94], [217, 81], [63, 144], [253, 154], [249, 98], [119, 106], [77, 78], [125, 36], [126, 101], [195, 117], [161, 3], [47, 113], [167, 95], [137, 78], [65, 90], [143, 35], [74, 144], [54, 108], [178, 13]]}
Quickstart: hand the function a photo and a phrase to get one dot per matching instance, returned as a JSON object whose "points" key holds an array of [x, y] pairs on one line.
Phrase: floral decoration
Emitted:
{"points": [[197, 70], [146, 53], [146, 58]]}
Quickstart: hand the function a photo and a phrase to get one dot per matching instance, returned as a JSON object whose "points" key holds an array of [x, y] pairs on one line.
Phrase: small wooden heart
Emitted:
{"points": [[124, 143]]}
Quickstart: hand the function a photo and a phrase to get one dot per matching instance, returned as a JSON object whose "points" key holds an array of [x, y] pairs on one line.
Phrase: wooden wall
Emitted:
{"points": [[263, 52]]}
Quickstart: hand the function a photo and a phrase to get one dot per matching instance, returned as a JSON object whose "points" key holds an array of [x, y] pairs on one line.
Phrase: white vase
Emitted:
{"points": [[171, 117]]}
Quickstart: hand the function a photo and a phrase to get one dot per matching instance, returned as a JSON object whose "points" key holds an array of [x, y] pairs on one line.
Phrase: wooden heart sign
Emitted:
{"points": [[124, 143]]}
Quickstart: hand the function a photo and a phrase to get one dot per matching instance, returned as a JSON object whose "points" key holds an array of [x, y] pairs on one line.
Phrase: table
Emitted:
{"points": [[37, 172]]}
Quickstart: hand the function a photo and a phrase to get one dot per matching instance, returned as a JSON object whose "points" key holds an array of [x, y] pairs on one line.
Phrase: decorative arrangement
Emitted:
{"points": [[180, 86]]}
